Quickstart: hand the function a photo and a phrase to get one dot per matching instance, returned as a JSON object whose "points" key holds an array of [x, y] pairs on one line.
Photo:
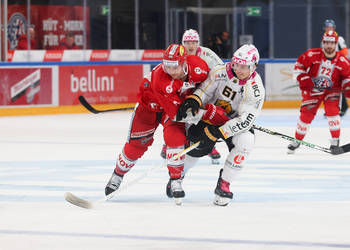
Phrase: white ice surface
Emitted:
{"points": [[281, 201]]}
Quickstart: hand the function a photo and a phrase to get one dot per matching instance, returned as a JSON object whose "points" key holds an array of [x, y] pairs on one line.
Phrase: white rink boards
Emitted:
{"points": [[281, 201]]}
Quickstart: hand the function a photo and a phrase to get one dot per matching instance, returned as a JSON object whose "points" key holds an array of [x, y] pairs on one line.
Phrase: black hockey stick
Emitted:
{"points": [[87, 105], [340, 150]]}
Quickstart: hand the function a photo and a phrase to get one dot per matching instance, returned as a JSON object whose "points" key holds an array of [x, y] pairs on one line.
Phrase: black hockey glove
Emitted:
{"points": [[210, 134], [192, 103]]}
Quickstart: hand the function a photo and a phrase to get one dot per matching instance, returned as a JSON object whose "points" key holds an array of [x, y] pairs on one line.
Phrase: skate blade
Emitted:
{"points": [[221, 201], [71, 198], [178, 201]]}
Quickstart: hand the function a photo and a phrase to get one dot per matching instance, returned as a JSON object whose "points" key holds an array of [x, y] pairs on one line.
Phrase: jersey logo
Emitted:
{"points": [[255, 89], [198, 70], [169, 89], [225, 105], [218, 75], [238, 159]]}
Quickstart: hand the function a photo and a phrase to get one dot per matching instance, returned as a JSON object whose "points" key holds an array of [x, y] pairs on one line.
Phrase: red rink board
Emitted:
{"points": [[25, 86], [99, 84]]}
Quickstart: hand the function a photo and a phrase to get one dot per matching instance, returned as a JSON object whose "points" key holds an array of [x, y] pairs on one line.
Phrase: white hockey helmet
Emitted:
{"points": [[248, 54], [190, 36]]}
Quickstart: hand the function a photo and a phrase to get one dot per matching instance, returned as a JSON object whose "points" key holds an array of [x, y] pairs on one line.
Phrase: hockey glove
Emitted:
{"points": [[215, 115], [305, 82], [192, 103], [210, 134], [347, 91]]}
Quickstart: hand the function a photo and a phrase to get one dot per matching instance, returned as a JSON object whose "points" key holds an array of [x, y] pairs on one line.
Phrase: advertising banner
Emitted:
{"points": [[26, 86], [152, 54], [279, 82], [51, 24], [99, 84]]}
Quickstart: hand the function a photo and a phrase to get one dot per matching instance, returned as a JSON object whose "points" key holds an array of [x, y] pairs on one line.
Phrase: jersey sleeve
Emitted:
{"points": [[198, 69], [341, 43], [207, 88], [345, 74], [248, 110], [210, 57], [300, 73]]}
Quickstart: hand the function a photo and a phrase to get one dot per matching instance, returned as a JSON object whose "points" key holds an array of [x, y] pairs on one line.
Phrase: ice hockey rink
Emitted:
{"points": [[281, 201]]}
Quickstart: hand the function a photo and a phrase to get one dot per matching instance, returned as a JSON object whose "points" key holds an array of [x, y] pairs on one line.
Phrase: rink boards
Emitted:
{"points": [[54, 87]]}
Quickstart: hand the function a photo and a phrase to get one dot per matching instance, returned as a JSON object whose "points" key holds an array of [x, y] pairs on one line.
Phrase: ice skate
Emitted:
{"points": [[214, 156], [168, 189], [223, 195], [176, 190], [113, 183], [292, 147], [163, 152]]}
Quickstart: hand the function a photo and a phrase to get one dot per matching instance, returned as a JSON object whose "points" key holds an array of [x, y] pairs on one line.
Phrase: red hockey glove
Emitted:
{"points": [[305, 82], [215, 115], [347, 90]]}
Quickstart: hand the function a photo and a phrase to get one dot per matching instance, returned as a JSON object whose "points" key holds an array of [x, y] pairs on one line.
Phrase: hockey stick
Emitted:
{"points": [[77, 201], [87, 105], [341, 150]]}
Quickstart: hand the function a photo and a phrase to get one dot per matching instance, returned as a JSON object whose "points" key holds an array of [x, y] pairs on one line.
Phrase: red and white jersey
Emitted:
{"points": [[313, 64], [159, 92]]}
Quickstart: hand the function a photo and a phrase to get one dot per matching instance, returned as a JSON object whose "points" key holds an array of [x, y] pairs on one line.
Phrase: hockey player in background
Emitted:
{"points": [[225, 106], [160, 94], [191, 41], [343, 50], [321, 74]]}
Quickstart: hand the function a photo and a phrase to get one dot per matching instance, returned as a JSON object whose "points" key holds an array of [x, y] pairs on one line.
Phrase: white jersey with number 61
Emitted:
{"points": [[242, 100]]}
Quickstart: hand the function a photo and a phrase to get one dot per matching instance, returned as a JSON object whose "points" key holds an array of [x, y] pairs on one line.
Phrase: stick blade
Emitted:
{"points": [[83, 102], [345, 148], [75, 200]]}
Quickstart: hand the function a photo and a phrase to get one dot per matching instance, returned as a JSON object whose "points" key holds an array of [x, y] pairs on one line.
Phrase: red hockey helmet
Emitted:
{"points": [[174, 55], [330, 36]]}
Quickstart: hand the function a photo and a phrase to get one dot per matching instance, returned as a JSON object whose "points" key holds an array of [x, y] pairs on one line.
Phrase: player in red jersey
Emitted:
{"points": [[321, 73], [159, 97]]}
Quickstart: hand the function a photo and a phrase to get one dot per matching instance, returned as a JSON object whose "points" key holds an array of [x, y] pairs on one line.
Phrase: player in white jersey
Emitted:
{"points": [[329, 24], [225, 106], [191, 41]]}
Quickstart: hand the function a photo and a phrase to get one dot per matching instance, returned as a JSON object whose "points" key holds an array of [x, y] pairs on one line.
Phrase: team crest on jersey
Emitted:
{"points": [[198, 70], [16, 27], [169, 89], [225, 105]]}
